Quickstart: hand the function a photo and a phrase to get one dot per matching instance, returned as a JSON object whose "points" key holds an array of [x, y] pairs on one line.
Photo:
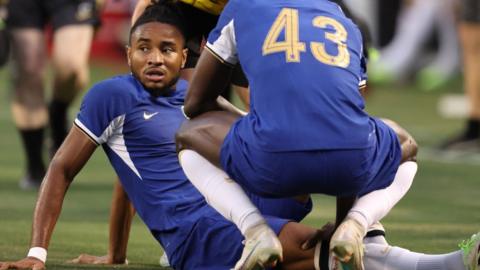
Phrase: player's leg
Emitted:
{"points": [[223, 248], [393, 141], [469, 30], [199, 142], [73, 33], [28, 106], [4, 36], [215, 243], [378, 256]]}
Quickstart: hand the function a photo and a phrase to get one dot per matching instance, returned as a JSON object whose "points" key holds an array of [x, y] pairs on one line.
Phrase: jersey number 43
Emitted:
{"points": [[287, 21]]}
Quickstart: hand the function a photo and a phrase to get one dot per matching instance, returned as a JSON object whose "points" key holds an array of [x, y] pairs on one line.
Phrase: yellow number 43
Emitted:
{"points": [[287, 20]]}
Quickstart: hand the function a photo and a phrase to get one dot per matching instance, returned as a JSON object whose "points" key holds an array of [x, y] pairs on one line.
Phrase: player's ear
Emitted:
{"points": [[184, 56], [128, 51]]}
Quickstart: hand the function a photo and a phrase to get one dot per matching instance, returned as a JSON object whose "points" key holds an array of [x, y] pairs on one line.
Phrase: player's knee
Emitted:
{"points": [[30, 72], [81, 78], [407, 142], [29, 96], [184, 136], [71, 75], [409, 149]]}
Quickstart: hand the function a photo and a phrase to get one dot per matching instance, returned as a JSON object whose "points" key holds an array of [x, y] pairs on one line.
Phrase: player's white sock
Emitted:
{"points": [[379, 240], [381, 257], [221, 192], [367, 210]]}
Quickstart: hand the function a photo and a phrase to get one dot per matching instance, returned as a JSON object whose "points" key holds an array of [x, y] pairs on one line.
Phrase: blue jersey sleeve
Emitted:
{"points": [[221, 40], [103, 107]]}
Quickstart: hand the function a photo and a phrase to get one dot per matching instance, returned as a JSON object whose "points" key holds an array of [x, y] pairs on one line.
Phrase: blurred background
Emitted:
{"points": [[416, 77]]}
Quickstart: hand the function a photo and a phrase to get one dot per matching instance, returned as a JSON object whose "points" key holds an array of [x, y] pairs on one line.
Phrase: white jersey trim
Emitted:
{"points": [[362, 83], [87, 131], [113, 137], [225, 46]]}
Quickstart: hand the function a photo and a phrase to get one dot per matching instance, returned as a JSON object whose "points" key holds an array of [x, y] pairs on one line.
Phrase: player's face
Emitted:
{"points": [[156, 55]]}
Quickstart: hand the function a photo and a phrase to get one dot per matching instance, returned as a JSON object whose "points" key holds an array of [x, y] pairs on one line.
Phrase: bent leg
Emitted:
{"points": [[407, 142], [377, 256], [70, 62], [346, 242], [28, 107], [199, 142], [292, 236], [397, 258], [366, 210], [205, 134]]}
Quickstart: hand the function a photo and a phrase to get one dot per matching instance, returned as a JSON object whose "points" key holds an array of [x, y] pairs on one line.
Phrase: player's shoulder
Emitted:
{"points": [[181, 88], [121, 86], [117, 91]]}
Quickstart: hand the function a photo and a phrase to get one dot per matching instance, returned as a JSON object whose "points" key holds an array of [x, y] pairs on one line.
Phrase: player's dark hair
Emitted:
{"points": [[163, 11]]}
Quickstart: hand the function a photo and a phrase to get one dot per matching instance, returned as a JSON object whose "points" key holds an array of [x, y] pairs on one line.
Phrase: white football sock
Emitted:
{"points": [[375, 205], [220, 192], [379, 240], [381, 257]]}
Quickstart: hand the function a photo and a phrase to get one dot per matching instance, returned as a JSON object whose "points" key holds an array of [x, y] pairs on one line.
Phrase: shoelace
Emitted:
{"points": [[465, 245]]}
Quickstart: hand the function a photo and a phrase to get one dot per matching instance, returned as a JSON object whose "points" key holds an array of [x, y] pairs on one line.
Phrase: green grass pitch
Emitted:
{"points": [[441, 209]]}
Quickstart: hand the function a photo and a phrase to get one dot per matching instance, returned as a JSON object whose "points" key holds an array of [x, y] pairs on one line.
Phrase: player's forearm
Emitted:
{"points": [[48, 206], [67, 162], [139, 8], [209, 79], [120, 221]]}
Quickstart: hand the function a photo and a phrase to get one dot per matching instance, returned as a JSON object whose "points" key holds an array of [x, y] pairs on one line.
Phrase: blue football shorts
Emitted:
{"points": [[214, 244], [337, 172]]}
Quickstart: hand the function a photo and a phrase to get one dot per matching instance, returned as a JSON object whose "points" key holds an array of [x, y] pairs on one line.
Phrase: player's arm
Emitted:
{"points": [[121, 216], [67, 162], [120, 222], [139, 8], [210, 77]]}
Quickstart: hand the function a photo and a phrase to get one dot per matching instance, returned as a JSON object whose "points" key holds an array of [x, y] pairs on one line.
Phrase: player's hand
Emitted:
{"points": [[27, 263], [91, 259], [324, 233]]}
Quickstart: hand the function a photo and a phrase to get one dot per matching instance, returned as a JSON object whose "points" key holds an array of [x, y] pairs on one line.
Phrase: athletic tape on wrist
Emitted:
{"points": [[38, 253]]}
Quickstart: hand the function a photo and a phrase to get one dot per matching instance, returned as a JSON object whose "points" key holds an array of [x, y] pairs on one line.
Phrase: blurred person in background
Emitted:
{"points": [[400, 58], [469, 32], [73, 24], [4, 40]]}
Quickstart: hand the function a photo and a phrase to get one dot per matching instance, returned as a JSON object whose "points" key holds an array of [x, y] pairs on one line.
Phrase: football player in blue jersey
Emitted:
{"points": [[134, 118], [307, 130]]}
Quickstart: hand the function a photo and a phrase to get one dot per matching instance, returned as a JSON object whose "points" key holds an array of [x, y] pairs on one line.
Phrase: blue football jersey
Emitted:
{"points": [[304, 63], [137, 132]]}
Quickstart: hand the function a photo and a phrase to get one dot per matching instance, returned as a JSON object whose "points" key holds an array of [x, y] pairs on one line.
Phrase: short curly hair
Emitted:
{"points": [[163, 11]]}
